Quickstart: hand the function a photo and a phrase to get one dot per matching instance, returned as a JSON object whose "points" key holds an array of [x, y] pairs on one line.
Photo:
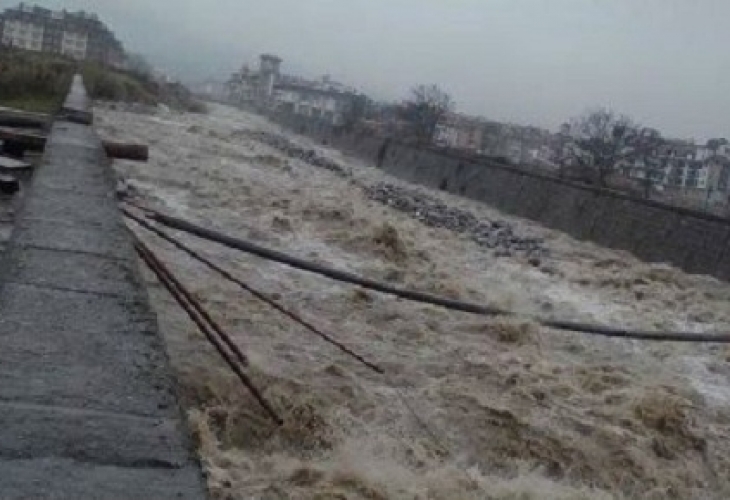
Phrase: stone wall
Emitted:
{"points": [[695, 241]]}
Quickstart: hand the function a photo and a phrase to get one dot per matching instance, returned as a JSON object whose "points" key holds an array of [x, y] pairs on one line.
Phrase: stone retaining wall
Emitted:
{"points": [[694, 241]]}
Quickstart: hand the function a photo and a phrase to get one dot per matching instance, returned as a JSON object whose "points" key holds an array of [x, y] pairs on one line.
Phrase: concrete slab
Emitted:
{"points": [[82, 350], [76, 271], [97, 209], [58, 479], [79, 179], [87, 402], [70, 237], [105, 438]]}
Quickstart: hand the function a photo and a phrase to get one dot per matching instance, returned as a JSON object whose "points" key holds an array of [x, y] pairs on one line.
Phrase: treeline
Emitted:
{"points": [[33, 82], [39, 82]]}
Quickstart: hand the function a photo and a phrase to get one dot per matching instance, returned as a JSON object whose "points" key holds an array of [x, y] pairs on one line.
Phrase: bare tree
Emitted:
{"points": [[426, 108], [138, 64], [601, 141], [356, 110]]}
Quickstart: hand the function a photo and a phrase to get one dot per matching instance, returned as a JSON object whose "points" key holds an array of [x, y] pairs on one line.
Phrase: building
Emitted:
{"points": [[685, 174], [241, 87], [461, 132], [79, 35], [211, 90], [267, 90], [255, 88], [330, 102], [268, 77]]}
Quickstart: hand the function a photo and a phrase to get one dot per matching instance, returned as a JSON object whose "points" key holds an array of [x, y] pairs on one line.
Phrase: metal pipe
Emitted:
{"points": [[256, 293], [415, 296], [180, 294]]}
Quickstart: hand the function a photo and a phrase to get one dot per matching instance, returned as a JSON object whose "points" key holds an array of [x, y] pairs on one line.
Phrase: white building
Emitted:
{"points": [[78, 35], [23, 34], [324, 100], [74, 45]]}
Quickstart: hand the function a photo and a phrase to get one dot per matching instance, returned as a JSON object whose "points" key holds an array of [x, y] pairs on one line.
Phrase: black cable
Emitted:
{"points": [[455, 305]]}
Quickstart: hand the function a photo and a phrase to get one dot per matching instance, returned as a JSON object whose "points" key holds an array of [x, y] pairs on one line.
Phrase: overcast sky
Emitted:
{"points": [[664, 62]]}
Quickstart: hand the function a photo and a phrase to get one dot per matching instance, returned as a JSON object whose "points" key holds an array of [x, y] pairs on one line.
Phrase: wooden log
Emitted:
{"points": [[9, 184], [125, 151], [19, 119], [16, 142], [13, 149], [22, 140]]}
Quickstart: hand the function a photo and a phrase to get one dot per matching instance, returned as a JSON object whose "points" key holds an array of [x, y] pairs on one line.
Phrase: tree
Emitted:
{"points": [[356, 110], [715, 144], [601, 141], [138, 64], [426, 108]]}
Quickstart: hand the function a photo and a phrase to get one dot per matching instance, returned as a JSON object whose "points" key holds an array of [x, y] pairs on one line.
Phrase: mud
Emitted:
{"points": [[469, 408]]}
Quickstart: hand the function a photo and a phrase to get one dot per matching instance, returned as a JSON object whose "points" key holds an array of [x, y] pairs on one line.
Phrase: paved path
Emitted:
{"points": [[87, 406]]}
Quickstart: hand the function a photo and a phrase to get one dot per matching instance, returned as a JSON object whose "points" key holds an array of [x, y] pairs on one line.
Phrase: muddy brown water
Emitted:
{"points": [[469, 408]]}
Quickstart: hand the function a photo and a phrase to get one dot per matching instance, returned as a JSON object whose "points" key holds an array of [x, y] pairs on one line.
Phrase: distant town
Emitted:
{"points": [[675, 171]]}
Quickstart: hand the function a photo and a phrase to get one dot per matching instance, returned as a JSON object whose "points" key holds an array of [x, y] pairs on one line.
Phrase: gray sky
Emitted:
{"points": [[664, 62]]}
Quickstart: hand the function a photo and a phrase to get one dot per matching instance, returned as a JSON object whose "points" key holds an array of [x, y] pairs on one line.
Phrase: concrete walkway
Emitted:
{"points": [[87, 406]]}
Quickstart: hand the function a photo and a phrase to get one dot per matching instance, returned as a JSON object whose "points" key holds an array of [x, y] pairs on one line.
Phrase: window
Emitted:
{"points": [[692, 176]]}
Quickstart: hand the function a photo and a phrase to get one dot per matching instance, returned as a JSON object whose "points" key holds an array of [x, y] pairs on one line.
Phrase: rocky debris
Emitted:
{"points": [[498, 236], [297, 152], [129, 107]]}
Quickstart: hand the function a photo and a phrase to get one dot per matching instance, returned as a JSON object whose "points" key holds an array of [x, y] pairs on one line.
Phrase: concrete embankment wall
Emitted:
{"points": [[694, 241], [87, 401]]}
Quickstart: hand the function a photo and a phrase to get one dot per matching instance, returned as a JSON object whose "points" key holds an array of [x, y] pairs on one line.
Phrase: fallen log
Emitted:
{"points": [[9, 184], [126, 151], [19, 119], [16, 142]]}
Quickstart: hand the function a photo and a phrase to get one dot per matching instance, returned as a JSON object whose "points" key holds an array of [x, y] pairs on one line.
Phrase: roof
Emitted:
{"points": [[271, 57]]}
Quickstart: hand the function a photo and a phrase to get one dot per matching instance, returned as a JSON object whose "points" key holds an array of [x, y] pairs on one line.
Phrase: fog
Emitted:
{"points": [[539, 62]]}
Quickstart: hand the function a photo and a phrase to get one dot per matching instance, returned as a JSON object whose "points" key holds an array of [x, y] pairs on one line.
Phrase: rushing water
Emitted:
{"points": [[469, 408]]}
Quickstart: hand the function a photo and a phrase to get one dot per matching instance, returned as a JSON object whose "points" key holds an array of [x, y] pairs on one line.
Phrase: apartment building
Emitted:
{"points": [[79, 35], [685, 174], [319, 100], [267, 89]]}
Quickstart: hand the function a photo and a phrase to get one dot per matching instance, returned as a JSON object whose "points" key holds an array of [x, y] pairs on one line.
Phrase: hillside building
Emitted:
{"points": [[79, 35]]}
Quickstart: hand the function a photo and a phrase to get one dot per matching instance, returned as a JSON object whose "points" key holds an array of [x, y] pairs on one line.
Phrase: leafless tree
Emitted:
{"points": [[601, 141], [138, 64], [427, 106]]}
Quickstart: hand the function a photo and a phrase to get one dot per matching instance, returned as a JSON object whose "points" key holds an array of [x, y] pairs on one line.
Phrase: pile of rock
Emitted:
{"points": [[297, 152], [495, 235], [498, 236]]}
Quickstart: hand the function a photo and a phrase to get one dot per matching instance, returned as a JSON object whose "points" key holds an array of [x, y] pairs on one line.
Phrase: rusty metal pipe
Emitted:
{"points": [[201, 310], [180, 294], [256, 293]]}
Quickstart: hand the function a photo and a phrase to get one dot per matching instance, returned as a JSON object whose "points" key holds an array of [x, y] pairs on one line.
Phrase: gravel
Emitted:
{"points": [[498, 236], [297, 152], [494, 235]]}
